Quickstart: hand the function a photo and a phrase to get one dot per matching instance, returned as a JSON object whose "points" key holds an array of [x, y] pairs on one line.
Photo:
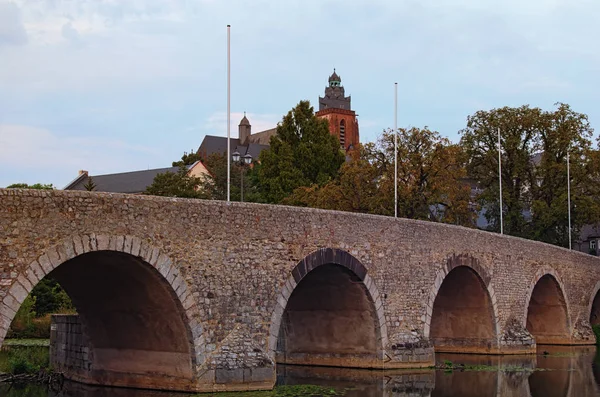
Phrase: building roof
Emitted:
{"points": [[218, 144], [124, 182], [245, 120], [335, 77]]}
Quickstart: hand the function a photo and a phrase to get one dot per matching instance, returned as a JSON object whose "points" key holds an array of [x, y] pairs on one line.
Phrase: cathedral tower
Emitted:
{"points": [[335, 108]]}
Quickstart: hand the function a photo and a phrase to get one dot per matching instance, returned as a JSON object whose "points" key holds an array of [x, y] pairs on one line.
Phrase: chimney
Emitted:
{"points": [[83, 172]]}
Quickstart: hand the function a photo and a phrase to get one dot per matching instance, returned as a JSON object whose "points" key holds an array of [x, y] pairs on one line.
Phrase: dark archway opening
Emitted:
{"points": [[595, 313], [330, 320], [547, 317], [131, 329], [462, 319]]}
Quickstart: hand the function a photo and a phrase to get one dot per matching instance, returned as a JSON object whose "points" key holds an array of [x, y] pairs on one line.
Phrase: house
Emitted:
{"points": [[133, 182]]}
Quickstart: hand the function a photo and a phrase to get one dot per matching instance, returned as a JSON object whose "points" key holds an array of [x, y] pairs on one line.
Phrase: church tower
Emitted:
{"points": [[335, 108]]}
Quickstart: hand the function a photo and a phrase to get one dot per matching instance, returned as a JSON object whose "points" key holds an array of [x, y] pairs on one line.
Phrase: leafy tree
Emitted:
{"points": [[214, 186], [187, 159], [520, 140], [89, 185], [431, 175], [565, 131], [176, 184], [48, 186], [302, 153], [355, 189]]}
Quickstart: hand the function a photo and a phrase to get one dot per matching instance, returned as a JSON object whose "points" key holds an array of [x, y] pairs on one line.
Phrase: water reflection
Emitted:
{"points": [[562, 372]]}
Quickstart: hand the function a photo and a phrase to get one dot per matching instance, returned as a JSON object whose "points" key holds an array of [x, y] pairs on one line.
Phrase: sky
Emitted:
{"points": [[114, 86]]}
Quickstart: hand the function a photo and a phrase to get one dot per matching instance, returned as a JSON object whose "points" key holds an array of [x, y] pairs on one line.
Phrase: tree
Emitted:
{"points": [[534, 145], [354, 190], [89, 185], [520, 140], [302, 153], [431, 175], [565, 131], [176, 184], [47, 186], [180, 183], [187, 159]]}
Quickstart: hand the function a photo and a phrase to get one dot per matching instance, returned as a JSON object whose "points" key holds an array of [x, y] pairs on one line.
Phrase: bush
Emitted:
{"points": [[596, 329], [24, 360]]}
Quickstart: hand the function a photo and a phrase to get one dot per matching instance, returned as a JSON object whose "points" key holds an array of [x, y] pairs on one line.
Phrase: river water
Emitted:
{"points": [[554, 371]]}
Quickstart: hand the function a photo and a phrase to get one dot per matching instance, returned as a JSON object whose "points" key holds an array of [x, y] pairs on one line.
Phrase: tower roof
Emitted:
{"points": [[335, 77], [245, 120]]}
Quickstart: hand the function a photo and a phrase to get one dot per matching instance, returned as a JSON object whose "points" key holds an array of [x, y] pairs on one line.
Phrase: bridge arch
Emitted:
{"points": [[461, 312], [108, 277], [547, 314], [353, 314]]}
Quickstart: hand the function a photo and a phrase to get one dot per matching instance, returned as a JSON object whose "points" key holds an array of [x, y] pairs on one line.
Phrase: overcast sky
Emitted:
{"points": [[114, 86]]}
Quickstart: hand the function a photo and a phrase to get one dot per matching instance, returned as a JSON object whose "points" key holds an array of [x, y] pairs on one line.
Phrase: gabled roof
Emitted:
{"points": [[124, 182]]}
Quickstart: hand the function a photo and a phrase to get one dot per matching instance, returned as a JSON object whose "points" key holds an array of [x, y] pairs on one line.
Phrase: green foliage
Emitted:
{"points": [[534, 145], [178, 184], [302, 153], [89, 185], [48, 186], [24, 360], [187, 159], [596, 329], [33, 317]]}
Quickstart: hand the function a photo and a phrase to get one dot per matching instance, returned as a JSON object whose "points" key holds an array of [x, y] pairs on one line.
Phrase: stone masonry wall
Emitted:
{"points": [[230, 264], [70, 349]]}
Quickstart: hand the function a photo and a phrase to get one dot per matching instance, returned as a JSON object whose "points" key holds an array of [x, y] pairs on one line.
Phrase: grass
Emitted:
{"points": [[18, 360], [26, 342]]}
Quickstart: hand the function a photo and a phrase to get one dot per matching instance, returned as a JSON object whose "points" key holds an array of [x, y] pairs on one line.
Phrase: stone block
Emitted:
{"points": [[223, 375]]}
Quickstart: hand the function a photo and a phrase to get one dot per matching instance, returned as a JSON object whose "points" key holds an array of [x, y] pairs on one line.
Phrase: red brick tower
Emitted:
{"points": [[335, 107]]}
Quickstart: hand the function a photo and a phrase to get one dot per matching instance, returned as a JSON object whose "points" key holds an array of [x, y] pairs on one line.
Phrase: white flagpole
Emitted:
{"points": [[228, 112], [500, 180], [569, 195], [395, 150]]}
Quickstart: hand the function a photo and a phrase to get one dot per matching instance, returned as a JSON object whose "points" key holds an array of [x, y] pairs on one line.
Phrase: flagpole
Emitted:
{"points": [[395, 150], [500, 180], [228, 112], [569, 195]]}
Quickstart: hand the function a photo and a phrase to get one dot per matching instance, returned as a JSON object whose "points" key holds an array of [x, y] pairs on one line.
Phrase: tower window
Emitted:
{"points": [[343, 133]]}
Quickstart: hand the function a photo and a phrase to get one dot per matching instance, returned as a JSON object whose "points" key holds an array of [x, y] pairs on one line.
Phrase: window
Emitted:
{"points": [[343, 133], [592, 244]]}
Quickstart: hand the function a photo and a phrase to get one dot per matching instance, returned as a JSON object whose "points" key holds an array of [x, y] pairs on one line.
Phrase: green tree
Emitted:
{"points": [[565, 131], [187, 159], [89, 185], [48, 186], [176, 184], [302, 153], [354, 190], [431, 177], [520, 140]]}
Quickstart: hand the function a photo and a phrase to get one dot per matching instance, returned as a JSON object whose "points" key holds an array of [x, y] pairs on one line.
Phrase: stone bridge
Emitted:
{"points": [[202, 295]]}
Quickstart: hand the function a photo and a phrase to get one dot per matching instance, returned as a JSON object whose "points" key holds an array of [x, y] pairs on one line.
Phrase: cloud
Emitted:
{"points": [[39, 151], [12, 31]]}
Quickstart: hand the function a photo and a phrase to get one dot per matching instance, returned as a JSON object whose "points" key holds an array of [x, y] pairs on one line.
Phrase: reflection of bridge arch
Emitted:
{"points": [[461, 312], [547, 311], [134, 306], [329, 312]]}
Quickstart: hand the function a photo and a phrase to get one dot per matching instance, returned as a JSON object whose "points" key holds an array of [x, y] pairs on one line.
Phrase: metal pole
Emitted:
{"points": [[228, 113], [569, 195], [500, 180], [395, 150]]}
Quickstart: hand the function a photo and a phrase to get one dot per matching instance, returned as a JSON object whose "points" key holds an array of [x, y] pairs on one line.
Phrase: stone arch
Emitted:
{"points": [[321, 259], [481, 277], [549, 277], [594, 305], [161, 267]]}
